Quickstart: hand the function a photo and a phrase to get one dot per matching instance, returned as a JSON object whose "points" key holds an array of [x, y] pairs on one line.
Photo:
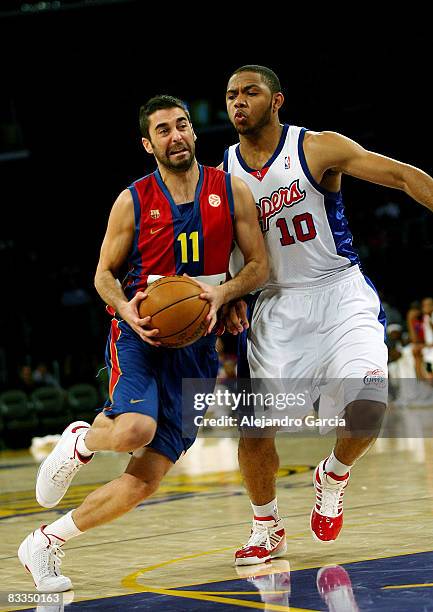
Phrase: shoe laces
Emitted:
{"points": [[49, 561], [66, 471], [260, 535], [330, 496]]}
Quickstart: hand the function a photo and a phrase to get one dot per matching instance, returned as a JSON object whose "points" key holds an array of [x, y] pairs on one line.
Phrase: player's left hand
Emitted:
{"points": [[215, 296], [234, 317]]}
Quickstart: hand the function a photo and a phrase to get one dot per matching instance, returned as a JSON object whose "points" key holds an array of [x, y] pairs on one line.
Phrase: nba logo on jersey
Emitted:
{"points": [[155, 214], [287, 162]]}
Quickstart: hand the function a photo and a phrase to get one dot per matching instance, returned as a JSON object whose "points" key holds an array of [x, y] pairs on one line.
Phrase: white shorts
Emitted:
{"points": [[327, 336]]}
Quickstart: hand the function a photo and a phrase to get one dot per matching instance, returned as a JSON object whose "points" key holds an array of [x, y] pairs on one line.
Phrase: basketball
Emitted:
{"points": [[176, 309]]}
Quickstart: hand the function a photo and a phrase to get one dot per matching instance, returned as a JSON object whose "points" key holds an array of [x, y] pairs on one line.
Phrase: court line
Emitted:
{"points": [[407, 586], [242, 603], [130, 582], [299, 569]]}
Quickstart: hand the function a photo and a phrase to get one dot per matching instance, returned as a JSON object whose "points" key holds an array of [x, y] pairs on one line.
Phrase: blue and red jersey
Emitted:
{"points": [[195, 239]]}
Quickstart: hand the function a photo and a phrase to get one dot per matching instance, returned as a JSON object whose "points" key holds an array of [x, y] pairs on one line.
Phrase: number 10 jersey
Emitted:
{"points": [[304, 225]]}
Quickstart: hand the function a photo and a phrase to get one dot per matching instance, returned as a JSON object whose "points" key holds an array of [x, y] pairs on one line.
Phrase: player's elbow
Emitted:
{"points": [[97, 280], [413, 180], [101, 277]]}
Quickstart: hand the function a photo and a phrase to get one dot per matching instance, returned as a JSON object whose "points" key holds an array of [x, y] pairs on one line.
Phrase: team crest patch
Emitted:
{"points": [[155, 214], [214, 200]]}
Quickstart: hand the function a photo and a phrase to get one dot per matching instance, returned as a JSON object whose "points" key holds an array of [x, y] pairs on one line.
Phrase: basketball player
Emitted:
{"points": [[318, 317], [181, 219]]}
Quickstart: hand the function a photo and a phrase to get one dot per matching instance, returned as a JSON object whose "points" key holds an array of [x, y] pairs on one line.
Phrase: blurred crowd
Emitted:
{"points": [[410, 341], [410, 355]]}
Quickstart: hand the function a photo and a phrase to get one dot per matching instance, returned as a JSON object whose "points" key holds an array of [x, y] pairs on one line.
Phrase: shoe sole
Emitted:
{"points": [[256, 560], [39, 497]]}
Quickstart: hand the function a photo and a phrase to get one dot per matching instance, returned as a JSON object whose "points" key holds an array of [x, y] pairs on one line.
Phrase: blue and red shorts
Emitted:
{"points": [[148, 380]]}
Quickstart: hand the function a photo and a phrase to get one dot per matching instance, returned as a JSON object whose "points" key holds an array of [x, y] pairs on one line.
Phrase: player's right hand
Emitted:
{"points": [[234, 317], [129, 313]]}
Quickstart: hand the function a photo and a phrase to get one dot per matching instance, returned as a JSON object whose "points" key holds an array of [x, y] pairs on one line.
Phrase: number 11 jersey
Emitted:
{"points": [[193, 238]]}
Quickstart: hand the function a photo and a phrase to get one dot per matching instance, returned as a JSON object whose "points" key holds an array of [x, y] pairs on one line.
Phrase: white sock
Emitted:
{"points": [[81, 446], [335, 466], [269, 509], [60, 531]]}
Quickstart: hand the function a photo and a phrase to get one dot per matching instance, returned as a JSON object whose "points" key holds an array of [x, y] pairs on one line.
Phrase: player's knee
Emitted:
{"points": [[151, 486], [135, 435], [135, 492], [142, 489], [365, 416]]}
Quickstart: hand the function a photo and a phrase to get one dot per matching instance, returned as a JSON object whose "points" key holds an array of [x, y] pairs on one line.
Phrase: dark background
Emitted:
{"points": [[74, 75]]}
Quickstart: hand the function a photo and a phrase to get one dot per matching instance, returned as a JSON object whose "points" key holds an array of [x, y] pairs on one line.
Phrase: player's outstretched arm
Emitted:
{"points": [[114, 252], [332, 151]]}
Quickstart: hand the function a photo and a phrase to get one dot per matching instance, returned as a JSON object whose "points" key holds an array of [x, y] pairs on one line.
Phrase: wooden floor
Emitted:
{"points": [[175, 552]]}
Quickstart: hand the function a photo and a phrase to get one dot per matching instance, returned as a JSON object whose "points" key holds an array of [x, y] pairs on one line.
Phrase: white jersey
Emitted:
{"points": [[304, 226]]}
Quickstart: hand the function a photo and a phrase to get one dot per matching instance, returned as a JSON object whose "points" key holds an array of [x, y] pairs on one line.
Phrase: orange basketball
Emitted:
{"points": [[177, 311]]}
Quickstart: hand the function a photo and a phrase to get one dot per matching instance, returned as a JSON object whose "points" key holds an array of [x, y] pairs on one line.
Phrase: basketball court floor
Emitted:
{"points": [[175, 551]]}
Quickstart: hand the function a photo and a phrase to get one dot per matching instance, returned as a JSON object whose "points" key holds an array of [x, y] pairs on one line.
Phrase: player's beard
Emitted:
{"points": [[177, 166], [250, 130]]}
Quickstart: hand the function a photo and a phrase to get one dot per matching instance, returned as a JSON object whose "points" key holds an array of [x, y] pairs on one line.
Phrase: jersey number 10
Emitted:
{"points": [[303, 226]]}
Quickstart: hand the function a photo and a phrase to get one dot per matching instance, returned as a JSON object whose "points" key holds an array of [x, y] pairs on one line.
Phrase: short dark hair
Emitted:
{"points": [[158, 103], [268, 76]]}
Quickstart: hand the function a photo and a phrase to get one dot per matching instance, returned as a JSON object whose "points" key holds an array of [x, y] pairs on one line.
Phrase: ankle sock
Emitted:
{"points": [[60, 531], [269, 509], [335, 466], [81, 446]]}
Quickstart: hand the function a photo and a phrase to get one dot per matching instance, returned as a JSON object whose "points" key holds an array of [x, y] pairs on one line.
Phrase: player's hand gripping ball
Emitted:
{"points": [[176, 309]]}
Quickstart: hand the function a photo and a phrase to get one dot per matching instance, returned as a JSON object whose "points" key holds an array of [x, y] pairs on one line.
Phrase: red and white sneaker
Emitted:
{"points": [[41, 555], [327, 515], [267, 541], [55, 474], [335, 588]]}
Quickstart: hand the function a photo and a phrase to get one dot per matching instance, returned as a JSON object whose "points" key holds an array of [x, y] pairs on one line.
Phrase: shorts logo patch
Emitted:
{"points": [[134, 401], [376, 378]]}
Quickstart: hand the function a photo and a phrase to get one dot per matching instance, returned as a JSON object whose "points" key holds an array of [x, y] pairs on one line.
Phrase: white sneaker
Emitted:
{"points": [[267, 541], [55, 474], [43, 559]]}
